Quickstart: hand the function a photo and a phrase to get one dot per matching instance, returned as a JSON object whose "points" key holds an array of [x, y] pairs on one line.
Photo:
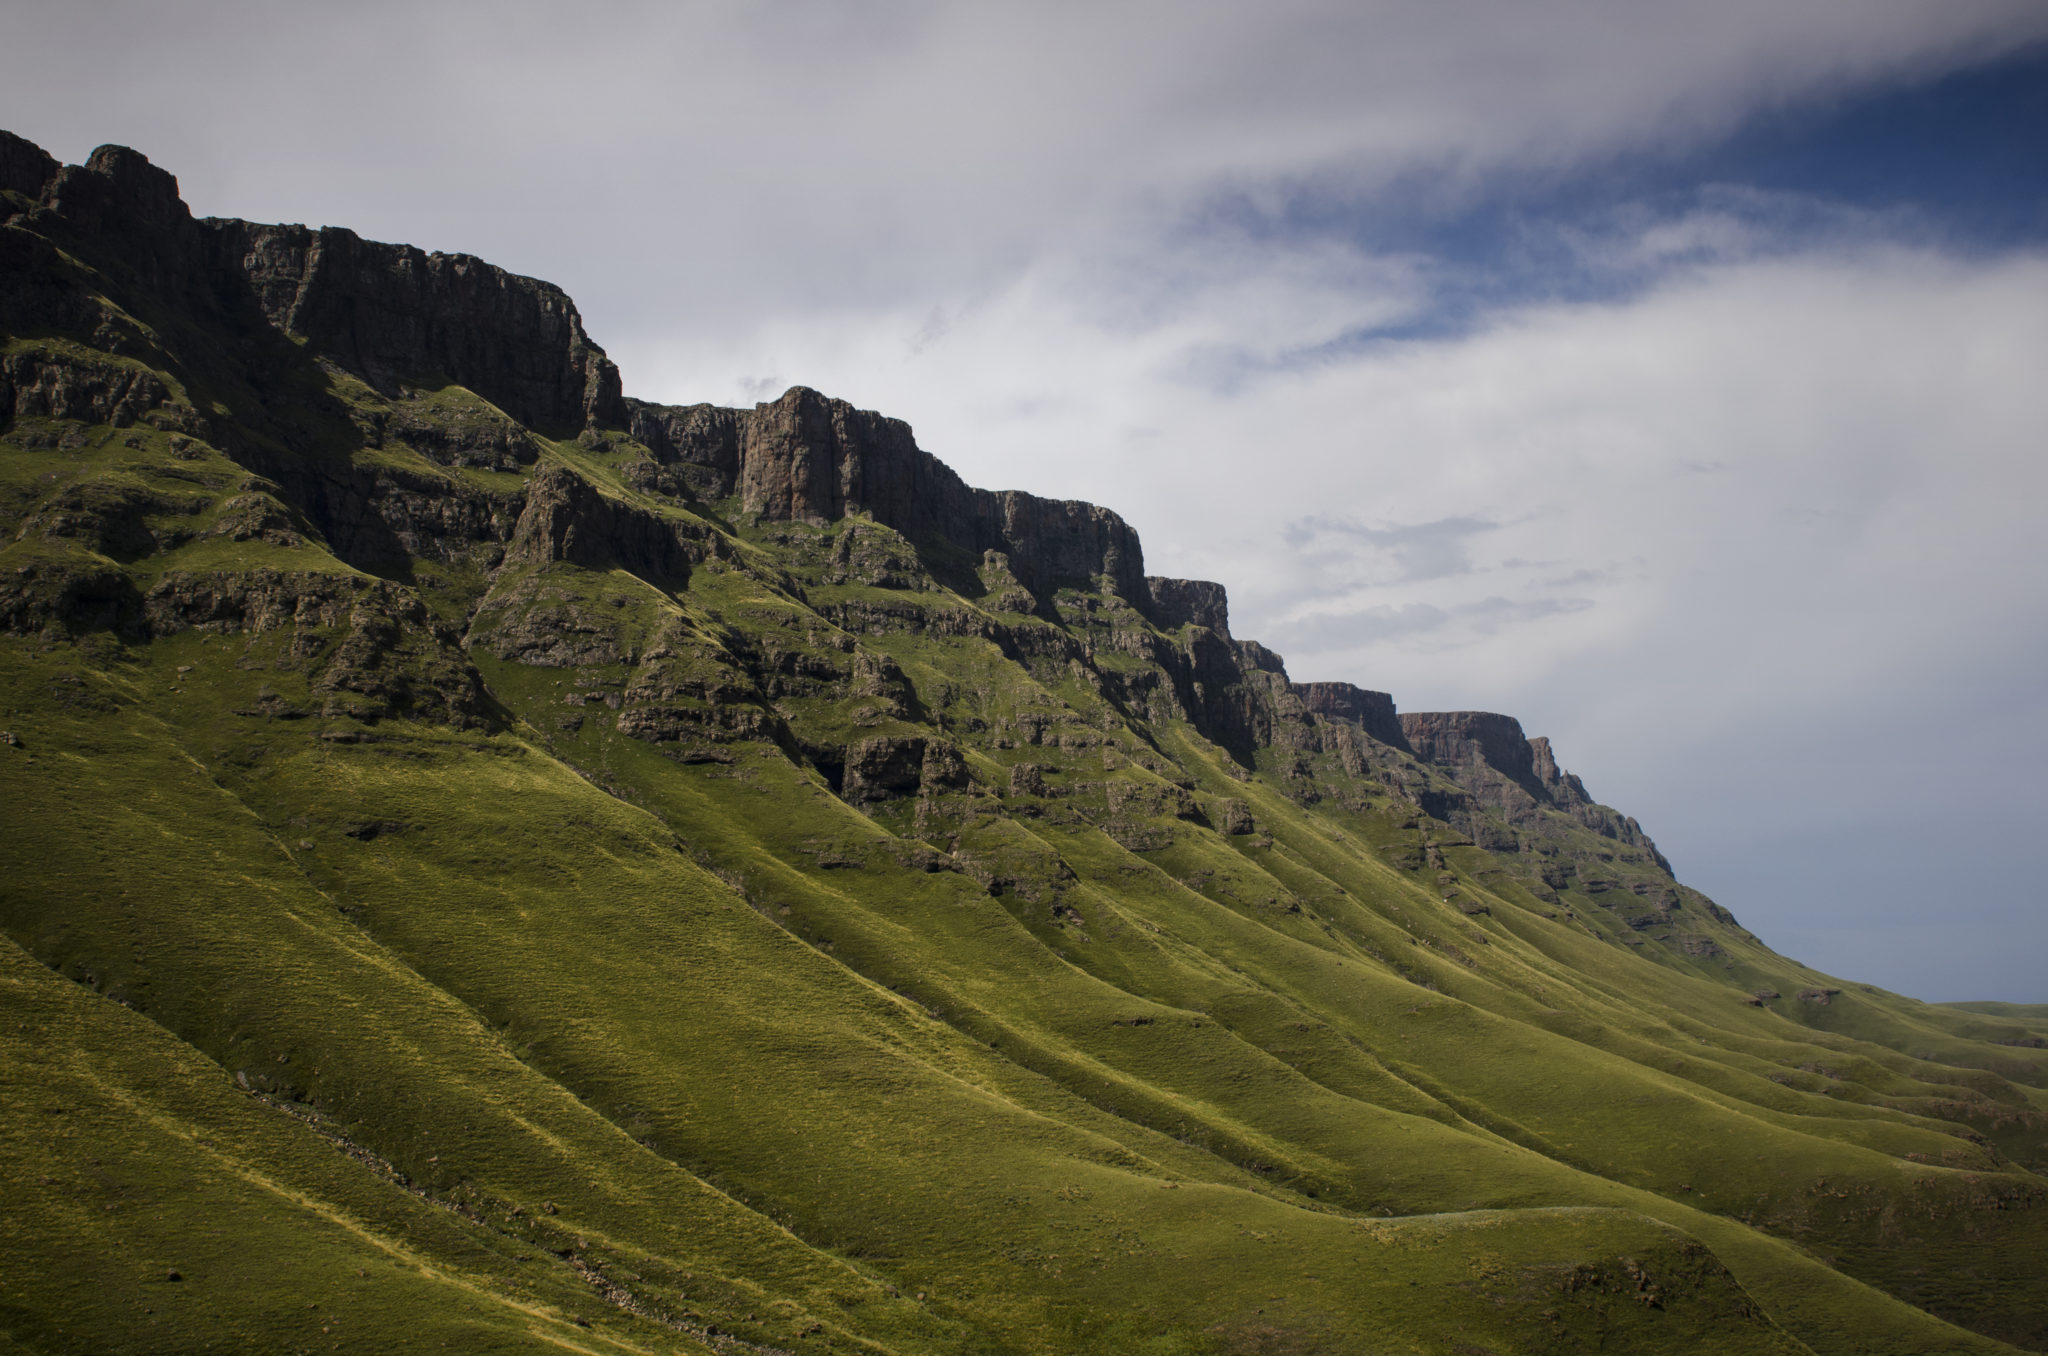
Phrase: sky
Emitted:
{"points": [[1670, 376]]}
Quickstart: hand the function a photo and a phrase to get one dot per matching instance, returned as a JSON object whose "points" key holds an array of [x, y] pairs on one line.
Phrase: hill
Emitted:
{"points": [[496, 864]]}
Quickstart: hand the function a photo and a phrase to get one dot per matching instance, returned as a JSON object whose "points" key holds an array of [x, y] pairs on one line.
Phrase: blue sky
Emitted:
{"points": [[1956, 159], [1961, 154], [1667, 375], [1964, 154]]}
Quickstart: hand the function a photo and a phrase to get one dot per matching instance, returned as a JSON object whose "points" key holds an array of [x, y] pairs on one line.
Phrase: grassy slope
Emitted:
{"points": [[131, 1160], [643, 983]]}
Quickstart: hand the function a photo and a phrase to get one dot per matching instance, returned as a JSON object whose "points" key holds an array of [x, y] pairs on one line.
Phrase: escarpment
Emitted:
{"points": [[1372, 712], [465, 366], [1513, 776], [392, 313], [517, 865], [806, 458]]}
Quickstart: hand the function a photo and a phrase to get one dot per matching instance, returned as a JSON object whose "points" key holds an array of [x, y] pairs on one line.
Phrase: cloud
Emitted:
{"points": [[707, 164], [1424, 625], [1417, 551]]}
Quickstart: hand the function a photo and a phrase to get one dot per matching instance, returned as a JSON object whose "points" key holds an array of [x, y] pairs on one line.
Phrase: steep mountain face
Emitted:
{"points": [[497, 864]]}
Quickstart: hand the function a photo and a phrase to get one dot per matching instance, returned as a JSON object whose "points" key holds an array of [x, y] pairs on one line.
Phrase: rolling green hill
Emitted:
{"points": [[492, 864]]}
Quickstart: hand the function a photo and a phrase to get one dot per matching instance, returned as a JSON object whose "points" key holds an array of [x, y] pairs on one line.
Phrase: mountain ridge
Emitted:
{"points": [[750, 889], [379, 309]]}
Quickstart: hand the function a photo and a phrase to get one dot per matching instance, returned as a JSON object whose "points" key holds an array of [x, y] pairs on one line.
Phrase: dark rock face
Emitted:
{"points": [[60, 593], [59, 386], [1189, 602], [884, 766], [395, 315], [1371, 711], [1056, 541], [806, 458], [1028, 779], [121, 198], [696, 447], [387, 313], [1564, 788], [371, 649], [483, 439], [1457, 737], [1511, 775], [810, 459], [116, 191], [889, 766], [566, 518], [392, 313], [24, 166]]}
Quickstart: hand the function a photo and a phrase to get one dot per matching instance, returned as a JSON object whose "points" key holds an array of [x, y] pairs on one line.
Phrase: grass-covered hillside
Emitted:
{"points": [[491, 864]]}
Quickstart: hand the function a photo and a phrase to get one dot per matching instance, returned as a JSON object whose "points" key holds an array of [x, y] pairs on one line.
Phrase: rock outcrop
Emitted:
{"points": [[394, 313], [1463, 738], [116, 199], [806, 458], [390, 314], [888, 766], [24, 166], [566, 518], [54, 385], [1189, 602], [398, 317], [119, 192], [1511, 775], [1371, 711]]}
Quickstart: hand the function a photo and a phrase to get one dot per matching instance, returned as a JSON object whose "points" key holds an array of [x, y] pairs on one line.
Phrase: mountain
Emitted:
{"points": [[495, 864]]}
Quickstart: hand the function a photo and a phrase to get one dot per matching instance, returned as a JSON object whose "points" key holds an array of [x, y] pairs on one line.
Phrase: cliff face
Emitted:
{"points": [[805, 458], [394, 316], [24, 166], [1474, 738], [389, 313], [1372, 712], [1510, 776], [723, 883], [384, 313]]}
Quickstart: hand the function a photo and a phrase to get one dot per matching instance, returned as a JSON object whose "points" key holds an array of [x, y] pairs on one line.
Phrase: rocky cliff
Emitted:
{"points": [[392, 313], [398, 318], [1372, 712], [1513, 777], [805, 458]]}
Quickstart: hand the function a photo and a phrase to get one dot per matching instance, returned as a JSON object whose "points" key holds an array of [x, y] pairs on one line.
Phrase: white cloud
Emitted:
{"points": [[708, 164]]}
